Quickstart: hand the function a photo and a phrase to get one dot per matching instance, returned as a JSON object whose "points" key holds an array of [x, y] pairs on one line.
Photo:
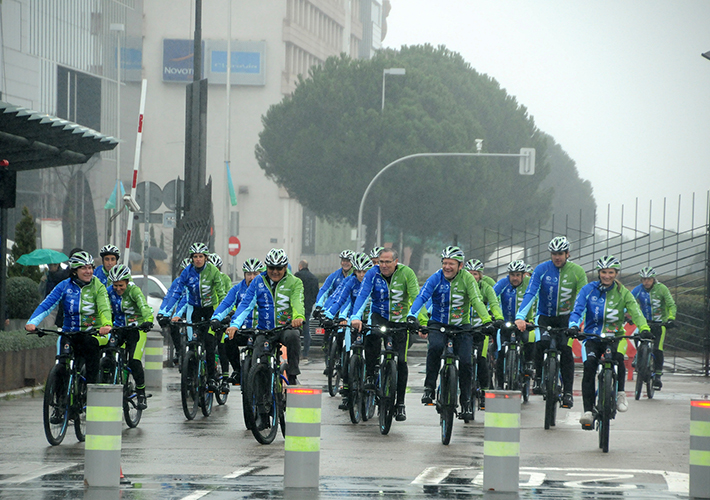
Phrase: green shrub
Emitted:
{"points": [[20, 341], [22, 297]]}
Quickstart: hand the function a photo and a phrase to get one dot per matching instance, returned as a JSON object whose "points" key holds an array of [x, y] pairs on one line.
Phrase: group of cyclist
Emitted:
{"points": [[372, 289]]}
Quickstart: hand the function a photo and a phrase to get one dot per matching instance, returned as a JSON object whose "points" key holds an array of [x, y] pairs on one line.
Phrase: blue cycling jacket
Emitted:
{"points": [[341, 301], [554, 288], [234, 297], [332, 282]]}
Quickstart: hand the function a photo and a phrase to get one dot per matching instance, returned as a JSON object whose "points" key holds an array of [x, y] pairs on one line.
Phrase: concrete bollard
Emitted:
{"points": [[102, 451], [501, 441], [153, 361], [302, 446], [699, 448]]}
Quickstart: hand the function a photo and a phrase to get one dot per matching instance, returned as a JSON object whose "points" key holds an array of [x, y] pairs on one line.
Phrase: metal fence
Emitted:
{"points": [[675, 242]]}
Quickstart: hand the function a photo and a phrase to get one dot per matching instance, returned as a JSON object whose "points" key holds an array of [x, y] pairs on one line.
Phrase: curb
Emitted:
{"points": [[25, 391]]}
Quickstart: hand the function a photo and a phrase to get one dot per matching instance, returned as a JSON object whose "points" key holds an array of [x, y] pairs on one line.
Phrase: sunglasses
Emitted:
{"points": [[275, 268]]}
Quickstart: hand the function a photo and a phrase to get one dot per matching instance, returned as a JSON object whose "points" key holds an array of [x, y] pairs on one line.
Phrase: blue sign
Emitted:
{"points": [[179, 60], [242, 62]]}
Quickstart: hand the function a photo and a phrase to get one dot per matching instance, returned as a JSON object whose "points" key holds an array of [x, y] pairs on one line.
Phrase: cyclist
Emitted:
{"points": [[216, 260], [490, 300], [163, 316], [529, 270], [332, 282], [392, 287], [475, 267], [555, 284], [375, 254], [129, 308], [202, 284], [656, 304], [251, 267], [110, 255], [86, 305], [510, 292], [340, 304], [602, 305], [453, 294], [278, 296]]}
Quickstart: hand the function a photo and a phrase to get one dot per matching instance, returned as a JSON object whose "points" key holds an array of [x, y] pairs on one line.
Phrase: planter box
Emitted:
{"points": [[25, 368]]}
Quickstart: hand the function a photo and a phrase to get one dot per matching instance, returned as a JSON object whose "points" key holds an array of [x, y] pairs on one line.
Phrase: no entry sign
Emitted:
{"points": [[234, 245]]}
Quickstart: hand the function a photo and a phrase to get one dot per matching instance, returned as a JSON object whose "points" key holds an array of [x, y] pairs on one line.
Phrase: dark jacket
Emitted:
{"points": [[310, 288]]}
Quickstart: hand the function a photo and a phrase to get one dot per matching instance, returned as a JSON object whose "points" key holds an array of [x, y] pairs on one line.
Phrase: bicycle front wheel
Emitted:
{"points": [[651, 367], [641, 370], [131, 412], [511, 369], [388, 393], [263, 404], [80, 404], [356, 380], [108, 369], [448, 388], [246, 406], [550, 383], [54, 411], [205, 396], [606, 402], [188, 384], [333, 372]]}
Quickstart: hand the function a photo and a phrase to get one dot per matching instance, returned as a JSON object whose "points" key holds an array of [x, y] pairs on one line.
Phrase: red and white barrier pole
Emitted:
{"points": [[136, 166]]}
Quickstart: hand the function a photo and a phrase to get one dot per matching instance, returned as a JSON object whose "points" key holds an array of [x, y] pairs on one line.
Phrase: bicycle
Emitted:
{"points": [[605, 409], [646, 362], [220, 395], [550, 383], [194, 389], [334, 354], [265, 393], [387, 376], [114, 369], [357, 400], [447, 390], [65, 390], [478, 393], [516, 372]]}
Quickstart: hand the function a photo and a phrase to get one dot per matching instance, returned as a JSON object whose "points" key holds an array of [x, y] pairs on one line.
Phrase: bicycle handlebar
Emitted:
{"points": [[41, 332]]}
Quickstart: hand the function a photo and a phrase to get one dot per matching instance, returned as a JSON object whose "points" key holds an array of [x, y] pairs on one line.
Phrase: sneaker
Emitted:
{"points": [[482, 405], [657, 384], [567, 400], [400, 415], [305, 361], [292, 380], [142, 402], [621, 404], [587, 418], [343, 404], [224, 386], [370, 384], [212, 385], [57, 417], [235, 378], [466, 411], [428, 397], [536, 386], [529, 368]]}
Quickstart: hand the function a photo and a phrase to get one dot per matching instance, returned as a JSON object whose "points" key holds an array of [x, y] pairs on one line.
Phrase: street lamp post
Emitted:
{"points": [[389, 71], [119, 28], [527, 167]]}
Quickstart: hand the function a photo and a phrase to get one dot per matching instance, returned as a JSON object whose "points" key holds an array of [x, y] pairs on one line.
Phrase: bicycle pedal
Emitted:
{"points": [[588, 427]]}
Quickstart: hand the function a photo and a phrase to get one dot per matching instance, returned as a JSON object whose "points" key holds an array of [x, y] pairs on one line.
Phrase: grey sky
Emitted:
{"points": [[620, 84]]}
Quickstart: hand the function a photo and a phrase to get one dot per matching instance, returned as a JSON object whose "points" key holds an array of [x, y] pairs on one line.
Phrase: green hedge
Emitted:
{"points": [[20, 341], [22, 297]]}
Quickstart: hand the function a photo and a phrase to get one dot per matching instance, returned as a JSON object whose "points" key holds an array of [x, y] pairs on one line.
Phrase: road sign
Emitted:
{"points": [[155, 196], [234, 245], [170, 197]]}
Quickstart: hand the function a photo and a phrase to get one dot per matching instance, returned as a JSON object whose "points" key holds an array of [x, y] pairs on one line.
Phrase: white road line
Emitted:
{"points": [[677, 482], [196, 495], [435, 475], [47, 469], [238, 472]]}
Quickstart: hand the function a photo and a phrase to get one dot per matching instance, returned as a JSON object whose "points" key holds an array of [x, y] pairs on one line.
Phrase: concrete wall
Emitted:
{"points": [[25, 368]]}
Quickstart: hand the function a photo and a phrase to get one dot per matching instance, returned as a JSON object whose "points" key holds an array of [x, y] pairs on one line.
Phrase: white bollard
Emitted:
{"points": [[302, 446], [699, 448], [153, 361], [102, 451], [501, 441]]}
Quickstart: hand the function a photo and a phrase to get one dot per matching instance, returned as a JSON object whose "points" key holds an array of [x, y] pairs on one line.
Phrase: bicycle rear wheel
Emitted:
{"points": [[246, 406], [205, 396], [550, 382], [369, 403], [641, 370], [80, 404], [54, 411], [650, 379], [448, 385], [388, 393], [263, 403], [220, 396], [131, 412], [333, 371], [188, 384], [356, 378]]}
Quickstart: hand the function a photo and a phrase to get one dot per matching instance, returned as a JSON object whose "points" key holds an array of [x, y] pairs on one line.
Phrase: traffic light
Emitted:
{"points": [[8, 185]]}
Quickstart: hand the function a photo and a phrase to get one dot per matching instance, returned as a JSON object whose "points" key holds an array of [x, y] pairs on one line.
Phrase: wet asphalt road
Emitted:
{"points": [[168, 457]]}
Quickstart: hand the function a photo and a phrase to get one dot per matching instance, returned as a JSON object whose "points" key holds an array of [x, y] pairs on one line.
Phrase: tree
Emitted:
{"points": [[25, 242], [332, 128]]}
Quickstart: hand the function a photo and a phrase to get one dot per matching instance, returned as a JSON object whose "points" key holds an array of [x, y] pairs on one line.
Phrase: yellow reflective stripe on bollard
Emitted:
{"points": [[295, 443], [698, 457], [502, 420], [103, 413], [501, 449], [701, 429], [153, 365], [154, 351], [303, 415], [102, 443]]}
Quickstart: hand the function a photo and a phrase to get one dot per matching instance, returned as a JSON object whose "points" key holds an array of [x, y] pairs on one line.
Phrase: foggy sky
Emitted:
{"points": [[620, 85]]}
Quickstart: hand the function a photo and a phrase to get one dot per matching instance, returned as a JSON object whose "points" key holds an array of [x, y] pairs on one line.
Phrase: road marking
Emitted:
{"points": [[196, 495], [435, 475], [677, 482], [239, 472], [47, 469], [599, 478]]}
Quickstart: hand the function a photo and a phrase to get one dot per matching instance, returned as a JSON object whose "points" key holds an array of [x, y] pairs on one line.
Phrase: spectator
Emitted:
{"points": [[310, 291]]}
